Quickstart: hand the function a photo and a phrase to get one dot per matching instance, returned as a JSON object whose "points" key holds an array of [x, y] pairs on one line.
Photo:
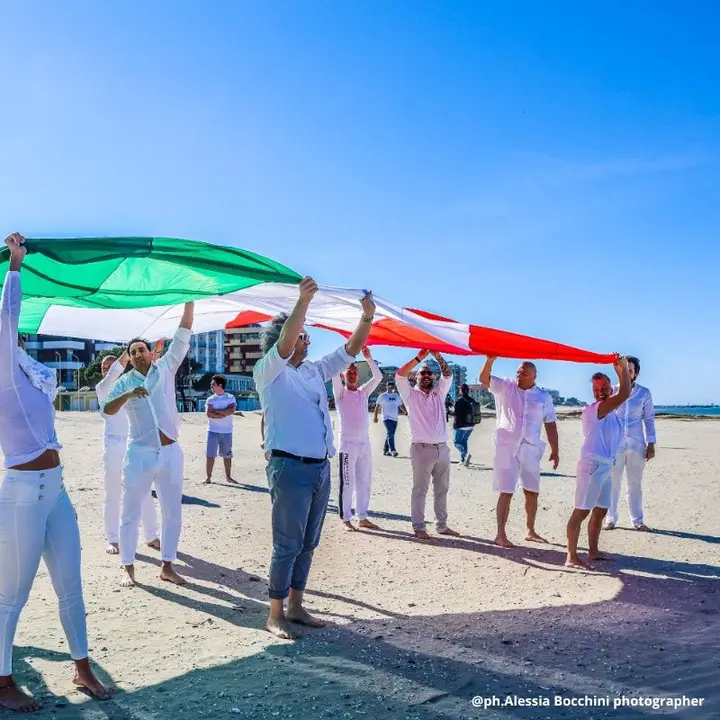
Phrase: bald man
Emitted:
{"points": [[521, 409]]}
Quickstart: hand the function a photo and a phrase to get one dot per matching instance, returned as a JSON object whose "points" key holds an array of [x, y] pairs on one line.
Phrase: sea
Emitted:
{"points": [[711, 410]]}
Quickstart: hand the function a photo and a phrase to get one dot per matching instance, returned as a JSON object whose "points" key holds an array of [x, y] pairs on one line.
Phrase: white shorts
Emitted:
{"points": [[524, 466], [593, 486]]}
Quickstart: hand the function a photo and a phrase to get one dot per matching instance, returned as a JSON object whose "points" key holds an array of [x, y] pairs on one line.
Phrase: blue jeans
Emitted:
{"points": [[390, 428], [462, 435], [299, 493]]}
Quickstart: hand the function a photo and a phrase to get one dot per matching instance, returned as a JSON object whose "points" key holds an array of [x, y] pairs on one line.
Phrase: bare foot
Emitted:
{"points": [[86, 680], [368, 525], [532, 536], [642, 527], [207, 481], [422, 535], [602, 557], [279, 627], [13, 698], [128, 580], [168, 574], [609, 526], [448, 531], [302, 617], [154, 544], [577, 563], [349, 526], [231, 481], [113, 549], [502, 541]]}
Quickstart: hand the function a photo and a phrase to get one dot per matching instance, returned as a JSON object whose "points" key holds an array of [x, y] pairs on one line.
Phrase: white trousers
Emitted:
{"points": [[37, 520], [141, 469], [633, 463], [355, 476], [113, 465]]}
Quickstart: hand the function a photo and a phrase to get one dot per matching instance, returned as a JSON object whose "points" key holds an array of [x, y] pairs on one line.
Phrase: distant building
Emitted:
{"points": [[207, 350], [482, 396], [459, 375], [242, 349]]}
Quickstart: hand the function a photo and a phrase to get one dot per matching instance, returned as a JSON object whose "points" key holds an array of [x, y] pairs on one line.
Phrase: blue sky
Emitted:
{"points": [[547, 168]]}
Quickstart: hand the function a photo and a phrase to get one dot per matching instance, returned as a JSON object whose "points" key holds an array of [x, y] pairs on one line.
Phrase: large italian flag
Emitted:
{"points": [[115, 289]]}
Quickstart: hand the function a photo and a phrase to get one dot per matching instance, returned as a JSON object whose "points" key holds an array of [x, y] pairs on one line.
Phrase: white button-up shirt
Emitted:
{"points": [[116, 426], [636, 411], [426, 411], [158, 411], [520, 414], [352, 407], [27, 417], [602, 435], [295, 403]]}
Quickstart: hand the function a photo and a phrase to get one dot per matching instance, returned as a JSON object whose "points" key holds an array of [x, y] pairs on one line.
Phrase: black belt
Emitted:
{"points": [[290, 456]]}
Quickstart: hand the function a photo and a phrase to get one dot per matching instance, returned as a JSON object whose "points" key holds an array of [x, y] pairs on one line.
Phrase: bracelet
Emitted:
{"points": [[367, 318]]}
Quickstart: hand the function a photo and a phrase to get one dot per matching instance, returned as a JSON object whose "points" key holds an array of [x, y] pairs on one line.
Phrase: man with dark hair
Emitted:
{"points": [[298, 443], [116, 435], [602, 429], [391, 405], [429, 452], [463, 422], [153, 454], [636, 449], [522, 409], [219, 409]]}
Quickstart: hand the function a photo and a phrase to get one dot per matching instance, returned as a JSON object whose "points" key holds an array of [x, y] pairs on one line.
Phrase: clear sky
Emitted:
{"points": [[548, 168]]}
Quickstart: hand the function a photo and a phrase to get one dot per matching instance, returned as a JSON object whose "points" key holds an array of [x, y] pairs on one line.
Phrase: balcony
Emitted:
{"points": [[33, 345], [65, 365], [102, 346], [63, 345]]}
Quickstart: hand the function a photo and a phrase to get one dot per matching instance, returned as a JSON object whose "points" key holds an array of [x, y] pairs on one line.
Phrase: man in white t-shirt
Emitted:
{"points": [[522, 409], [116, 435], [391, 405], [351, 402], [603, 432], [220, 408]]}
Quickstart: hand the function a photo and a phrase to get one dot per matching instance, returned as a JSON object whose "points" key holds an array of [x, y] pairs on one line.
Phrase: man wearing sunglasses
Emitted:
{"points": [[429, 451], [298, 442]]}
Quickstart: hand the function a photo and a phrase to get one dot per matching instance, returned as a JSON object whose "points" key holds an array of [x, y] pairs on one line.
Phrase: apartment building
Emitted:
{"points": [[241, 349]]}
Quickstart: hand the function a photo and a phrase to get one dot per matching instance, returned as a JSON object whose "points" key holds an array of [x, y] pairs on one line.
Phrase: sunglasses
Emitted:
{"points": [[426, 373]]}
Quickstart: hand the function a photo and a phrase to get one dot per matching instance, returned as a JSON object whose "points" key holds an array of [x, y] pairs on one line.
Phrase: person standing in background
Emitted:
{"points": [[220, 409], [465, 416], [391, 405]]}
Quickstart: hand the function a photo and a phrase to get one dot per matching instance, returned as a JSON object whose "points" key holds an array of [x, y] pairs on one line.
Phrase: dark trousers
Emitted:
{"points": [[390, 428]]}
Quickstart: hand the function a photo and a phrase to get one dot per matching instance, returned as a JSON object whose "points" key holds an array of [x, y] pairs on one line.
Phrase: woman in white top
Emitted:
{"points": [[602, 429], [37, 518]]}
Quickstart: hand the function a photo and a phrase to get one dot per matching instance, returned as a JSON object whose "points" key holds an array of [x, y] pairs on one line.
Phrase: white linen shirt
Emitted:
{"points": [[27, 417], [116, 426], [157, 411], [427, 415], [520, 414], [295, 403], [636, 411], [352, 407], [603, 436]]}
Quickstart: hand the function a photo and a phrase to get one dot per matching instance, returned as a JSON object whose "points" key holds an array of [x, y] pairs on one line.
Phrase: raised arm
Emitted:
{"points": [[605, 407], [10, 308], [186, 321], [369, 387], [102, 389], [407, 368], [294, 324], [180, 344], [486, 372], [338, 388], [362, 331]]}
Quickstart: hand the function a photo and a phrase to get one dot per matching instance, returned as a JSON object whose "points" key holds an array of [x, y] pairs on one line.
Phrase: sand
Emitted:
{"points": [[417, 629]]}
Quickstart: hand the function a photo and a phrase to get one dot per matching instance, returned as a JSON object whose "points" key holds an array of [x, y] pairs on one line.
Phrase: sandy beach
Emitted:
{"points": [[417, 629]]}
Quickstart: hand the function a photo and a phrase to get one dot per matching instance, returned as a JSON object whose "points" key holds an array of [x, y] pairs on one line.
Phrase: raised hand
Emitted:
{"points": [[16, 245], [308, 288], [368, 305], [422, 355], [159, 347], [366, 353]]}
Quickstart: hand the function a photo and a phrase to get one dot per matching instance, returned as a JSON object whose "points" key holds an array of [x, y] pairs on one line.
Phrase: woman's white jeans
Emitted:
{"points": [[37, 520], [143, 467], [113, 464]]}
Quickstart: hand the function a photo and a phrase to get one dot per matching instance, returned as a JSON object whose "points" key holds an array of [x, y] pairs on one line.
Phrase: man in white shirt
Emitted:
{"points": [[351, 402], [429, 452], [220, 409], [298, 443], [602, 429], [521, 410], [635, 450], [153, 454], [391, 405], [116, 435]]}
